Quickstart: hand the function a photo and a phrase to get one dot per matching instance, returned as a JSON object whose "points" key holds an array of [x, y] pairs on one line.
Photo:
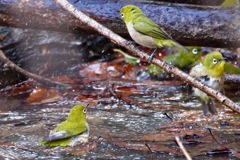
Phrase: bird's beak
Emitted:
{"points": [[224, 59]]}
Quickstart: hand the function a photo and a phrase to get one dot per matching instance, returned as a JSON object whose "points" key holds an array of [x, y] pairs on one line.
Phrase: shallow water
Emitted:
{"points": [[122, 131], [128, 119]]}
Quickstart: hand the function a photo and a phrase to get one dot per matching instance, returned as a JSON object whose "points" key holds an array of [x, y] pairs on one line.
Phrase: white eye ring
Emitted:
{"points": [[214, 61], [122, 15], [195, 51], [85, 111]]}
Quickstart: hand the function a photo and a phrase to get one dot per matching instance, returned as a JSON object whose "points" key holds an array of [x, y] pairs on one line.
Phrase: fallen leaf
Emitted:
{"points": [[87, 97], [42, 95], [128, 90], [99, 71], [20, 89]]}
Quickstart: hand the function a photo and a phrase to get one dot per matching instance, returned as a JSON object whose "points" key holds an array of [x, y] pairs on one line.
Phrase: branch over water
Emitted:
{"points": [[122, 42]]}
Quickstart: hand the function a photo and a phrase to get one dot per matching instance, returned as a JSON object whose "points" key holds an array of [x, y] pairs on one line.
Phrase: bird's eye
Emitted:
{"points": [[85, 111], [195, 51], [122, 15], [214, 61]]}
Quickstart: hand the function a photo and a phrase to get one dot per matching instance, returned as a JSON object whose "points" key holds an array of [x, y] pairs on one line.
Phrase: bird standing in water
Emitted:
{"points": [[209, 71], [73, 130]]}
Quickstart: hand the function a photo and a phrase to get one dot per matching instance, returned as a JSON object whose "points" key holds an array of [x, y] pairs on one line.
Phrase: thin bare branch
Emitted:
{"points": [[131, 47], [40, 79], [186, 154]]}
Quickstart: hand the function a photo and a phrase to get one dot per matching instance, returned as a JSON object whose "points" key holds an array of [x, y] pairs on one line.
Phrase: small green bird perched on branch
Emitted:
{"points": [[73, 130], [145, 32], [180, 59], [211, 72]]}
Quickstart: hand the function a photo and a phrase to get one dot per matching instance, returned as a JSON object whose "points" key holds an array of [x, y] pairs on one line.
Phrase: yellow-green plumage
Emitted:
{"points": [[209, 71], [144, 31], [227, 3], [180, 59], [231, 69], [71, 131]]}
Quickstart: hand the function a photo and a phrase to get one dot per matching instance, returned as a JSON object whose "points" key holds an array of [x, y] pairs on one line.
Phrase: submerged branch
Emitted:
{"points": [[40, 79], [122, 42], [188, 24]]}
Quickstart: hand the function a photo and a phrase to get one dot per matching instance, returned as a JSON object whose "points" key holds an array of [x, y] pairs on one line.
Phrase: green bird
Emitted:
{"points": [[73, 130], [180, 59], [227, 3], [231, 69], [211, 72], [145, 32]]}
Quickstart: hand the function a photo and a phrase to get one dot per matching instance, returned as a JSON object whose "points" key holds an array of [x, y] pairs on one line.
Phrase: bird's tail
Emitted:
{"points": [[175, 45]]}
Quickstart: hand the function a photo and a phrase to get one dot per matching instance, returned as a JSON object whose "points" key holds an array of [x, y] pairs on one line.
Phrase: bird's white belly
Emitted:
{"points": [[140, 38], [214, 83]]}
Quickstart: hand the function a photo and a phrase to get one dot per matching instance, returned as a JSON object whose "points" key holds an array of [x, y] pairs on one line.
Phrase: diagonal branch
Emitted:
{"points": [[181, 146], [40, 79], [122, 42]]}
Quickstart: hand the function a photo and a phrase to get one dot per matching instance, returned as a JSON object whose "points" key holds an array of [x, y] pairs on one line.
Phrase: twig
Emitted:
{"points": [[186, 154], [40, 79], [210, 131], [124, 43], [148, 147]]}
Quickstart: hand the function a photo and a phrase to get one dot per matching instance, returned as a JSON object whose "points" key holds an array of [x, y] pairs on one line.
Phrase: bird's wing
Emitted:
{"points": [[65, 132], [55, 136], [148, 27]]}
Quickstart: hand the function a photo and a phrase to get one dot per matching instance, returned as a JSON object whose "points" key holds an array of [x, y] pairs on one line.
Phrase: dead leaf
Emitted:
{"points": [[20, 89], [127, 90], [99, 70], [42, 95], [87, 97]]}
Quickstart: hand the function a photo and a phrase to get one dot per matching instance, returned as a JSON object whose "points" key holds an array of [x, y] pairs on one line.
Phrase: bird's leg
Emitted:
{"points": [[152, 55], [212, 107], [205, 108]]}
